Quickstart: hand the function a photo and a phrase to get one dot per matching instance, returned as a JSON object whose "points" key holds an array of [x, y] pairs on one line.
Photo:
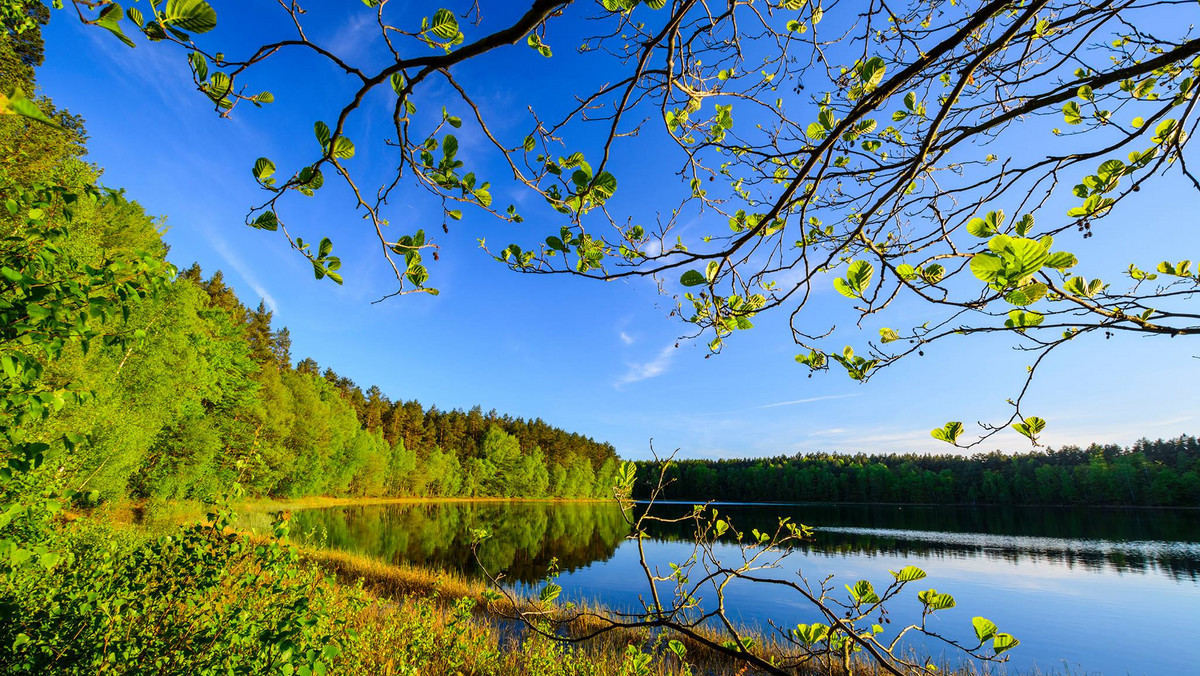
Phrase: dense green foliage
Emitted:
{"points": [[120, 378], [189, 384], [211, 385], [1161, 473]]}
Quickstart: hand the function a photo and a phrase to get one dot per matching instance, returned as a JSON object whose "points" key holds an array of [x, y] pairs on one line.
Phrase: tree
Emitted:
{"points": [[900, 153]]}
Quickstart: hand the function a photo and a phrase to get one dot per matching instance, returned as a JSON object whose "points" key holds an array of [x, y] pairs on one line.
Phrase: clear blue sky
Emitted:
{"points": [[597, 358]]}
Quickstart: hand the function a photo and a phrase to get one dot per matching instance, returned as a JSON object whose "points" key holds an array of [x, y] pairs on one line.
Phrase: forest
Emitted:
{"points": [[209, 395], [203, 392], [1159, 473]]}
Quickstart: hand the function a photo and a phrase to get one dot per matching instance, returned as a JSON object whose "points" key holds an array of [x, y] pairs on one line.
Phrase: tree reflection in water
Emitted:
{"points": [[524, 536]]}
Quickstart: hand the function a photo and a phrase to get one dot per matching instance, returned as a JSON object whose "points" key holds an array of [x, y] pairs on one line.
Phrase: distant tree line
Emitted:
{"points": [[1163, 473]]}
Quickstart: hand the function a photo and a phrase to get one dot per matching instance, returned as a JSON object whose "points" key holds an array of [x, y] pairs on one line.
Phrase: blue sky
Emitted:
{"points": [[598, 358]]}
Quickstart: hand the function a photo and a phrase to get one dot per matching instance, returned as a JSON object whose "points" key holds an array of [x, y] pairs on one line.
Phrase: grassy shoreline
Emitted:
{"points": [[452, 610]]}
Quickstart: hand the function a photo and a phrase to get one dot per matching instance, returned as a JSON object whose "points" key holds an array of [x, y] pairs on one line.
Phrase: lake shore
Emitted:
{"points": [[415, 529]]}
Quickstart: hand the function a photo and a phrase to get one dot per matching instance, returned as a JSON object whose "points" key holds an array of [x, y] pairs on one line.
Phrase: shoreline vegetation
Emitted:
{"points": [[473, 631], [466, 628]]}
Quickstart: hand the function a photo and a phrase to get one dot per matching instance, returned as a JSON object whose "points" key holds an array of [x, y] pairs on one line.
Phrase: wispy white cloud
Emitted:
{"points": [[353, 37], [649, 369], [626, 338], [808, 400], [793, 402], [239, 266], [832, 431]]}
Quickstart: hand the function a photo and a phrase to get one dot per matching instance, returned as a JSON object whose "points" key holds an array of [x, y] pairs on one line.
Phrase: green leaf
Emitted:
{"points": [[444, 25], [417, 274], [1061, 260], [1071, 113], [1028, 294], [984, 628], [987, 267], [397, 80], [343, 148], [871, 73], [322, 132], [811, 633], [266, 221], [1003, 642], [980, 228], [110, 20], [196, 16], [218, 86], [844, 288], [908, 574], [18, 104], [692, 278], [604, 185], [1025, 225], [550, 592], [1030, 427], [1021, 319], [859, 275], [948, 433], [263, 168], [935, 601], [932, 273], [863, 592], [888, 335]]}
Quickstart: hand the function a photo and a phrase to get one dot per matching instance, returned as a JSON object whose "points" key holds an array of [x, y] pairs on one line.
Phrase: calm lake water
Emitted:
{"points": [[1088, 591]]}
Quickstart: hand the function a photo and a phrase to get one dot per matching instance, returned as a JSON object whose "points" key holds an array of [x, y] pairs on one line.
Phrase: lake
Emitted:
{"points": [[1088, 591]]}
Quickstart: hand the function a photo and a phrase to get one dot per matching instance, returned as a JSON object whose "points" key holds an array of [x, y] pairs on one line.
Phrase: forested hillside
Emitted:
{"points": [[191, 389], [1149, 473], [210, 394]]}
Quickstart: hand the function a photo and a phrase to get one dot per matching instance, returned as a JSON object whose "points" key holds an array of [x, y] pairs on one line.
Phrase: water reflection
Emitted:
{"points": [[523, 536], [1087, 591], [526, 535], [1120, 540]]}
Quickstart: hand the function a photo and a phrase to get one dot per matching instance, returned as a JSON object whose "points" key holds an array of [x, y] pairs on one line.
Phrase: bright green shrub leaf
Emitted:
{"points": [[444, 25], [322, 132], [987, 267], [1061, 260], [343, 148], [859, 276], [196, 16], [984, 628], [908, 573], [948, 433], [1071, 113], [1003, 642], [980, 228], [1030, 427], [263, 168]]}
